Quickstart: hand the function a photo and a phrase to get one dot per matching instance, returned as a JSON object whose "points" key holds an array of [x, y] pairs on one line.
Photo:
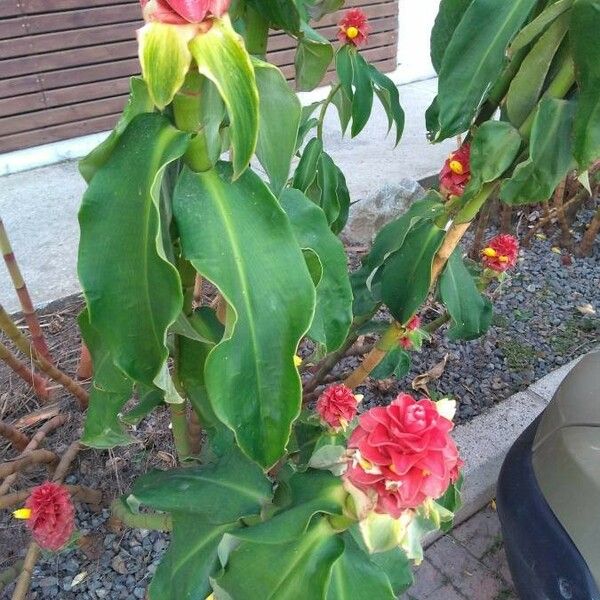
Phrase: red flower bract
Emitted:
{"points": [[404, 453], [456, 172], [179, 12], [354, 27], [52, 515], [501, 253], [337, 406]]}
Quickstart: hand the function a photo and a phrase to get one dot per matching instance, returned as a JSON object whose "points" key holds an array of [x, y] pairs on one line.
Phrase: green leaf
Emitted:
{"points": [[281, 14], [470, 311], [397, 567], [279, 112], [407, 273], [165, 58], [389, 97], [362, 102], [333, 312], [356, 577], [396, 362], [327, 184], [313, 57], [291, 571], [192, 558], [139, 102], [527, 85], [317, 9], [550, 152], [473, 61], [345, 69], [494, 148], [306, 171], [110, 391], [233, 488], [133, 292], [149, 398], [221, 56], [539, 25], [449, 16], [585, 42], [266, 283]]}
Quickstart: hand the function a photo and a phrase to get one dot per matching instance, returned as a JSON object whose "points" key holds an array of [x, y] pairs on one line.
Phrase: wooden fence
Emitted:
{"points": [[65, 64]]}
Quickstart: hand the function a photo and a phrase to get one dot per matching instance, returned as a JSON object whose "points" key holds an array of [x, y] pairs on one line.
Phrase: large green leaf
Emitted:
{"points": [[110, 390], [221, 56], [233, 488], [362, 101], [191, 559], [237, 236], [333, 312], [474, 59], [526, 87], [356, 577], [550, 152], [406, 274], [396, 362], [470, 311], [165, 58], [585, 40], [388, 95], [449, 16], [292, 571], [313, 57], [133, 293], [139, 102], [280, 112], [280, 14], [306, 171]]}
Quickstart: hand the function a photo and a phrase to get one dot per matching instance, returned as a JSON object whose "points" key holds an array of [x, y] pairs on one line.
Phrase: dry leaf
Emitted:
{"points": [[586, 309], [91, 545], [556, 250], [419, 383], [78, 578]]}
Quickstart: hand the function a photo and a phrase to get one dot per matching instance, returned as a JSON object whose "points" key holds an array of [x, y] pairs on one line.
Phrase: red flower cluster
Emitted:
{"points": [[181, 12], [51, 520], [337, 406], [354, 27], [404, 454], [406, 341], [501, 253], [456, 172]]}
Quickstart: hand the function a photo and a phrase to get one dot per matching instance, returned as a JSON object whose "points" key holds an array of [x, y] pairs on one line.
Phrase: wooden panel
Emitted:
{"points": [[65, 64]]}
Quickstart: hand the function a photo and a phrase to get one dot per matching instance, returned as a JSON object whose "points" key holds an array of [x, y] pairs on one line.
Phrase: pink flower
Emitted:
{"points": [[354, 27], [337, 406], [404, 453], [456, 172], [180, 12], [501, 253], [50, 515], [406, 340]]}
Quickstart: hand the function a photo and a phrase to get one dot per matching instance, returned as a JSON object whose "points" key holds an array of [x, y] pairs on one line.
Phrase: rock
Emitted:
{"points": [[119, 565], [139, 592], [372, 212]]}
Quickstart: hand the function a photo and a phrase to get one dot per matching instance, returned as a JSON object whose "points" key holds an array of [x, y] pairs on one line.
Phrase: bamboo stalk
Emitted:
{"points": [[37, 336], [36, 440], [17, 438], [38, 384], [25, 346]]}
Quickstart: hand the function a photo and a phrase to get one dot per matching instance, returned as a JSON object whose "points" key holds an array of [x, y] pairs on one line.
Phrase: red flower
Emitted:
{"points": [[404, 453], [354, 27], [337, 406], [456, 172], [414, 323], [51, 520], [180, 12], [501, 253]]}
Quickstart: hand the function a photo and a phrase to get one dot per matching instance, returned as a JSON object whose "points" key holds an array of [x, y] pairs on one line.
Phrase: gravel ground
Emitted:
{"points": [[537, 328]]}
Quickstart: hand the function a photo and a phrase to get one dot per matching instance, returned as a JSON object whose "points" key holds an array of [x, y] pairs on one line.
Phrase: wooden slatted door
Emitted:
{"points": [[65, 64]]}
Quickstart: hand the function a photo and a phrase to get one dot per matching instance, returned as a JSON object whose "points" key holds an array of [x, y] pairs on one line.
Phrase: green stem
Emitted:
{"points": [[153, 521], [437, 323], [180, 431], [334, 90]]}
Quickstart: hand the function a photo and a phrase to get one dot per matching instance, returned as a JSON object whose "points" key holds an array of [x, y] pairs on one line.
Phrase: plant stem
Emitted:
{"points": [[35, 457], [153, 521], [180, 431], [37, 383], [24, 580], [37, 337], [8, 575], [78, 493], [321, 122], [437, 323], [587, 242], [17, 438], [25, 346]]}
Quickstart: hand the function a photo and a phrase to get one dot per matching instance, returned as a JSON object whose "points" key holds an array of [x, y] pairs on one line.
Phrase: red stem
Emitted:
{"points": [[37, 383]]}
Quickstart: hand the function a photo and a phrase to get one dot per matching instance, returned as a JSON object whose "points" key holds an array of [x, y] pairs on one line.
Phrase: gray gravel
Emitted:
{"points": [[536, 329]]}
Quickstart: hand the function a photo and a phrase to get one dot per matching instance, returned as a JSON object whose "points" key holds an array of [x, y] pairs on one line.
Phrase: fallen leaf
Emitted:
{"points": [[419, 383], [78, 578], [556, 250], [118, 564], [91, 545]]}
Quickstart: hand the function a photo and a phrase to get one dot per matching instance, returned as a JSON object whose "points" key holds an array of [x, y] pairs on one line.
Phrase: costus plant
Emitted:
{"points": [[216, 173]]}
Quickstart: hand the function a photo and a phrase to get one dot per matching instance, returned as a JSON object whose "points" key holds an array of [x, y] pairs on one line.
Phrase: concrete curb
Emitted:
{"points": [[485, 440]]}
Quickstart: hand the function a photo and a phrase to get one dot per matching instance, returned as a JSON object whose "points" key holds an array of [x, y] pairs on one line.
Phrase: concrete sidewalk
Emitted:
{"points": [[39, 207]]}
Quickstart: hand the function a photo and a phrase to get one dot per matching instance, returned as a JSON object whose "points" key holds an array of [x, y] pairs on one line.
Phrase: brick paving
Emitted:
{"points": [[467, 564]]}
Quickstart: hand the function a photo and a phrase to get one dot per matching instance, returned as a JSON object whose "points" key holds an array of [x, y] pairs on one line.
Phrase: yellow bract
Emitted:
{"points": [[22, 513], [489, 252]]}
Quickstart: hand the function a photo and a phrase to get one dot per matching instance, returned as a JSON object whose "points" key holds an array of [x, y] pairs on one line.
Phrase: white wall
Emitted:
{"points": [[416, 19]]}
